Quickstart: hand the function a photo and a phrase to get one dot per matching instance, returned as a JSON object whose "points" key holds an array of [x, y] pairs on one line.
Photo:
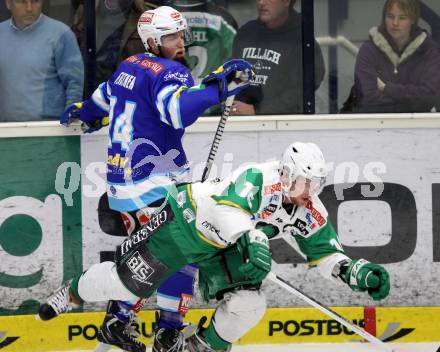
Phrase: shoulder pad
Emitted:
{"points": [[243, 191]]}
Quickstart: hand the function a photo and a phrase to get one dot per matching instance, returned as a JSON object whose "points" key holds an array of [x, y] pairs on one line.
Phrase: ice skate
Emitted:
{"points": [[197, 343], [169, 340], [57, 303], [119, 331]]}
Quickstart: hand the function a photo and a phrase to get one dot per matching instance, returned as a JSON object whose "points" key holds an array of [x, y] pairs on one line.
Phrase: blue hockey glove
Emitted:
{"points": [[254, 245], [233, 76], [362, 275], [71, 113], [95, 125]]}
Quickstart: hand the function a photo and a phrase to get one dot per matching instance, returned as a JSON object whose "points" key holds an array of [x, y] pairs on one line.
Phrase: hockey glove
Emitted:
{"points": [[362, 275], [71, 113], [254, 246], [95, 125], [239, 71]]}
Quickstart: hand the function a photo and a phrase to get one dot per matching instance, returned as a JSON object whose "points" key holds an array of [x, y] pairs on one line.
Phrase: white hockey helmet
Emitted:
{"points": [[303, 161], [162, 21]]}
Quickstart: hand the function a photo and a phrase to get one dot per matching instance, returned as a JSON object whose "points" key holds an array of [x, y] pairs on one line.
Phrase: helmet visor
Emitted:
{"points": [[173, 40], [316, 185], [301, 185]]}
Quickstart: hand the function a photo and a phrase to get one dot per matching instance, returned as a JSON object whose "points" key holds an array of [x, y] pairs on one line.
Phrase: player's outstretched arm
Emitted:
{"points": [[361, 275], [324, 250], [180, 105], [92, 112]]}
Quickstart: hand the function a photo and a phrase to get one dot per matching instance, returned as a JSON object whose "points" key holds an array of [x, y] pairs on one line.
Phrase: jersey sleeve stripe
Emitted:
{"points": [[174, 110], [162, 96], [109, 90], [191, 199], [207, 240], [232, 204], [100, 98]]}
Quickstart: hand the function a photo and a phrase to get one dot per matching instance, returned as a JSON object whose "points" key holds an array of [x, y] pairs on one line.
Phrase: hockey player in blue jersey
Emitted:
{"points": [[147, 103]]}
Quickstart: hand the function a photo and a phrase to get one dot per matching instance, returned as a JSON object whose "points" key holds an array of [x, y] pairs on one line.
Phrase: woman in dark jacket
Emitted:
{"points": [[398, 68]]}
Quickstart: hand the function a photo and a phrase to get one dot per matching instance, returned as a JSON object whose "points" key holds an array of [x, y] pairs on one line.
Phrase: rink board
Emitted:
{"points": [[49, 227], [279, 326], [49, 230]]}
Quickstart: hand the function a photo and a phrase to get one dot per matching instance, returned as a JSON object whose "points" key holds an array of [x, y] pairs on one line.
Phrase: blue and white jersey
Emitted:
{"points": [[149, 101]]}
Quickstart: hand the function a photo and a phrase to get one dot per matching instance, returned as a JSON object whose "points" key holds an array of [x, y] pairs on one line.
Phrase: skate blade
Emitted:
{"points": [[189, 330], [102, 347]]}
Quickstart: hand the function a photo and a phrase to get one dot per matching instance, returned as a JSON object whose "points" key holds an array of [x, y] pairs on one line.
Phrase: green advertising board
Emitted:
{"points": [[40, 235]]}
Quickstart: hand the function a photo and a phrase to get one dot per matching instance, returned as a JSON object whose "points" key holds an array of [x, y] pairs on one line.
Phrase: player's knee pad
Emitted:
{"points": [[238, 313], [101, 282]]}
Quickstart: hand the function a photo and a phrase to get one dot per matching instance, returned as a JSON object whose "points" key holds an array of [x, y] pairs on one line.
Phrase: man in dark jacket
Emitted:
{"points": [[273, 45]]}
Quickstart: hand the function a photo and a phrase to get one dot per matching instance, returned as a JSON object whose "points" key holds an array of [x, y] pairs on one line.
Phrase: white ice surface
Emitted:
{"points": [[330, 347]]}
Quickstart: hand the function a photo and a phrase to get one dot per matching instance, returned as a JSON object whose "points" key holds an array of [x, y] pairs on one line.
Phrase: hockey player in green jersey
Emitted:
{"points": [[225, 227]]}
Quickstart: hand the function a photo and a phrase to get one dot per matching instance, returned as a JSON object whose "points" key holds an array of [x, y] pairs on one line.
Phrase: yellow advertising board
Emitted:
{"points": [[280, 325]]}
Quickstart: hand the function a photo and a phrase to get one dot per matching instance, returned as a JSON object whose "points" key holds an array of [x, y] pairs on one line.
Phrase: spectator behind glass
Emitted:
{"points": [[398, 68], [433, 19], [4, 13], [41, 69], [273, 45], [214, 30], [117, 37]]}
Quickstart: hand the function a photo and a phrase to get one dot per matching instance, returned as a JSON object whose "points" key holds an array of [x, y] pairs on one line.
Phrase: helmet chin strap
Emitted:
{"points": [[285, 186]]}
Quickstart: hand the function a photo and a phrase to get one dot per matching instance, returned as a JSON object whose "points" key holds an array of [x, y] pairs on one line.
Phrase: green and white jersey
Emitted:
{"points": [[217, 213], [226, 209], [309, 226]]}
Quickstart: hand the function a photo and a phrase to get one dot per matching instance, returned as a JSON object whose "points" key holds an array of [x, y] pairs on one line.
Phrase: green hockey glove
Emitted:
{"points": [[362, 275], [254, 245]]}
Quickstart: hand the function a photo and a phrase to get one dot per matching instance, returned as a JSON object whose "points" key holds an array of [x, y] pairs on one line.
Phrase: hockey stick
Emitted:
{"points": [[219, 133], [367, 336]]}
